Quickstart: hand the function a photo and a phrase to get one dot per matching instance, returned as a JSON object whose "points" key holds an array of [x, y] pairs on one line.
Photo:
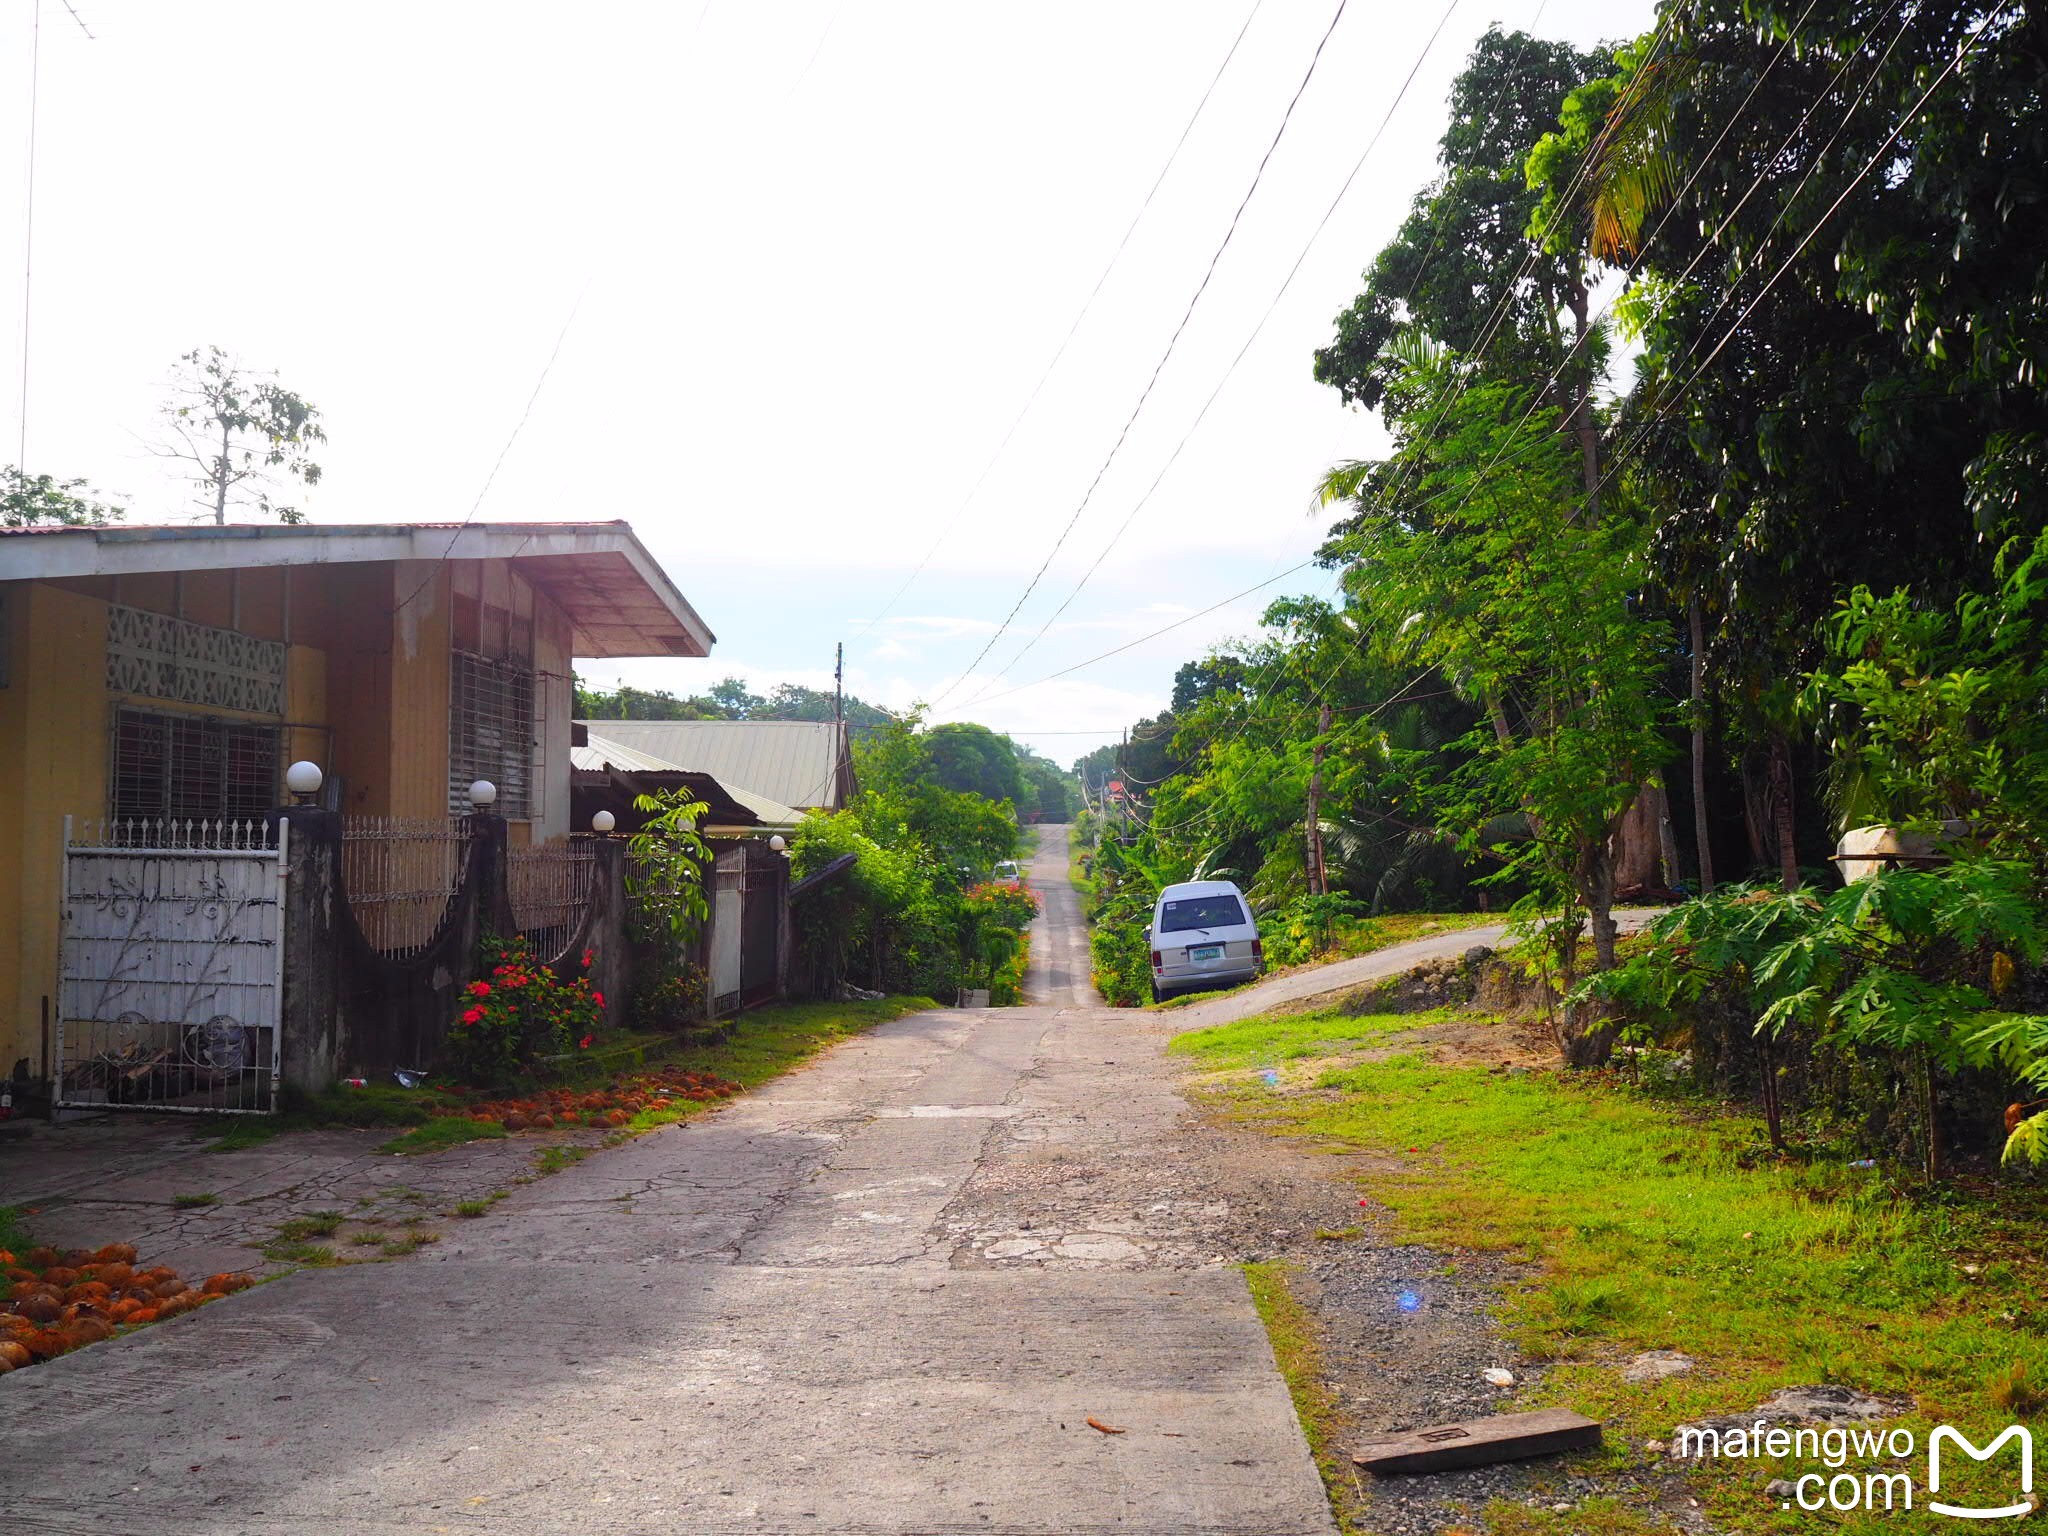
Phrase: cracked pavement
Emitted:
{"points": [[884, 1293]]}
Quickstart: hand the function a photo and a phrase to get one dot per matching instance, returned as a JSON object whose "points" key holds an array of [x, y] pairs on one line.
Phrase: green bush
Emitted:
{"points": [[1308, 926], [1118, 947]]}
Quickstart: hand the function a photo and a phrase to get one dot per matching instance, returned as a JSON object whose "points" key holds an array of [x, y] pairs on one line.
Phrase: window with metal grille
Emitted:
{"points": [[182, 767], [490, 733]]}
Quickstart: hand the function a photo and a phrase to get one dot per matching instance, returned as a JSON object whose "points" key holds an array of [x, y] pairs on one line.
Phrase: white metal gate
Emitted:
{"points": [[172, 965], [728, 906]]}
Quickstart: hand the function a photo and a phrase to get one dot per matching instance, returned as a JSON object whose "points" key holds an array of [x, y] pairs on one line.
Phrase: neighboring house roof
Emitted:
{"points": [[798, 763], [619, 601], [602, 754]]}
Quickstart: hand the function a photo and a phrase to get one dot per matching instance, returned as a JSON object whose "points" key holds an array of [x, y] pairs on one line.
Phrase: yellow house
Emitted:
{"points": [[173, 673]]}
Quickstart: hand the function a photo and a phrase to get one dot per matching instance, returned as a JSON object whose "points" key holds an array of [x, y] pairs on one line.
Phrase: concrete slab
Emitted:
{"points": [[596, 1397]]}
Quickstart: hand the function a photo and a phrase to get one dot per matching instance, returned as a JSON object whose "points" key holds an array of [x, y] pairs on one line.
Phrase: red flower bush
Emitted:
{"points": [[531, 1012]]}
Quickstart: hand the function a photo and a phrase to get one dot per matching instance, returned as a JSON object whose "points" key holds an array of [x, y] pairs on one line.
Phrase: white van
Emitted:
{"points": [[1202, 937]]}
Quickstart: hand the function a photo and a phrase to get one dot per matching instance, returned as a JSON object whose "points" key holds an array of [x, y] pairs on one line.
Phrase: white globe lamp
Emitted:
{"points": [[778, 842], [304, 779], [483, 794], [603, 821]]}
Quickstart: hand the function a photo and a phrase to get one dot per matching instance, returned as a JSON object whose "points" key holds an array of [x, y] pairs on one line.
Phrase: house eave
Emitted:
{"points": [[618, 600]]}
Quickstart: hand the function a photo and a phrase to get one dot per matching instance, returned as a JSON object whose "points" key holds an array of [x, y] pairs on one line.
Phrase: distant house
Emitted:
{"points": [[791, 765], [156, 676]]}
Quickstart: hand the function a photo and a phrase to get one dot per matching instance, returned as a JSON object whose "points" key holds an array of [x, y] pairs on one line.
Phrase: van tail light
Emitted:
{"points": [[1258, 949], [1155, 960]]}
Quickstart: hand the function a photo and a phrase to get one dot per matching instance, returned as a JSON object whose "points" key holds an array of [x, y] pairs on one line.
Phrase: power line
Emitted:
{"points": [[1153, 635], [1257, 330], [1496, 313], [1072, 330], [1202, 287], [484, 490]]}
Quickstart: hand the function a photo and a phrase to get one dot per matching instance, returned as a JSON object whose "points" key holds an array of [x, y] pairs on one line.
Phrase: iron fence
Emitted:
{"points": [[401, 874], [550, 887]]}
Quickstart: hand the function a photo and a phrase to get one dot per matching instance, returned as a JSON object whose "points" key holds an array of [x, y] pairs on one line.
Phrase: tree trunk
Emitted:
{"points": [[1781, 811], [1581, 417], [1589, 1040], [220, 479], [1767, 1089], [1696, 623], [1318, 880], [1636, 849], [1667, 836]]}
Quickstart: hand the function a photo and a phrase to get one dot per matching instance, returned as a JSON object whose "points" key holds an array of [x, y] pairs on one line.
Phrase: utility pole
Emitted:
{"points": [[839, 685], [1318, 881]]}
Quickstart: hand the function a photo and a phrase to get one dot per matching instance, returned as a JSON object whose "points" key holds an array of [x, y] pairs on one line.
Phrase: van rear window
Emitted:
{"points": [[1201, 912]]}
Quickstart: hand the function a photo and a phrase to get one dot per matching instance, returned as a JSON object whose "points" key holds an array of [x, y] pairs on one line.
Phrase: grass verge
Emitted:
{"points": [[1292, 1333], [1650, 1224], [441, 1133]]}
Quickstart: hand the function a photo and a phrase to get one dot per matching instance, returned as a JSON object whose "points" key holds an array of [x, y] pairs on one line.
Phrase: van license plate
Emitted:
{"points": [[1207, 952]]}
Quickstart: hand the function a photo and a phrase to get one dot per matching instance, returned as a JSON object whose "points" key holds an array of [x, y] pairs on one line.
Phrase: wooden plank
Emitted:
{"points": [[1476, 1442]]}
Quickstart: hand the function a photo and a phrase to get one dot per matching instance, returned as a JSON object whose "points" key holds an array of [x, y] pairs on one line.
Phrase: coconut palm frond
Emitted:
{"points": [[1346, 481], [1633, 171]]}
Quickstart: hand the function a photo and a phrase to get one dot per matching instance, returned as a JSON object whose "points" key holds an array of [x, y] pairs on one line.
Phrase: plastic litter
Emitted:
{"points": [[408, 1077]]}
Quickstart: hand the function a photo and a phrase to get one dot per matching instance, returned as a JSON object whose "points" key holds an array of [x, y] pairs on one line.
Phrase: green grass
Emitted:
{"points": [[410, 1242], [1654, 1225], [555, 1159], [13, 1235], [443, 1132], [1291, 1330], [312, 1224], [310, 1255], [1267, 1041], [471, 1207], [374, 1106], [189, 1202]]}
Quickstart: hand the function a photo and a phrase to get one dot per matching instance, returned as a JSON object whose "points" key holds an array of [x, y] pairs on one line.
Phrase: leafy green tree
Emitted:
{"points": [[27, 501], [1467, 272], [1499, 584], [239, 430], [732, 699], [972, 759]]}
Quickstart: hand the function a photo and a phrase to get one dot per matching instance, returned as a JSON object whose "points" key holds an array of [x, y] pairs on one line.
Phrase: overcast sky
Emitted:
{"points": [[805, 264]]}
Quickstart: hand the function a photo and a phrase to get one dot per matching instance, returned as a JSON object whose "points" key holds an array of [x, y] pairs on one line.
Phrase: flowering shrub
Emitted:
{"points": [[1002, 903], [519, 1010]]}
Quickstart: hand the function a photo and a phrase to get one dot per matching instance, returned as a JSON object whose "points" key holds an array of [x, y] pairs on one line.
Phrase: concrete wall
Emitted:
{"points": [[350, 1011]]}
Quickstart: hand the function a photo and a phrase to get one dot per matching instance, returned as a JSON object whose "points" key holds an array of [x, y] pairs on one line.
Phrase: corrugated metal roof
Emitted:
{"points": [[793, 762], [603, 752]]}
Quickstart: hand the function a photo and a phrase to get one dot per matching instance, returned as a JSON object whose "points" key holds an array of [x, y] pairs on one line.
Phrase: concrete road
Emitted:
{"points": [[884, 1294], [1342, 975]]}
